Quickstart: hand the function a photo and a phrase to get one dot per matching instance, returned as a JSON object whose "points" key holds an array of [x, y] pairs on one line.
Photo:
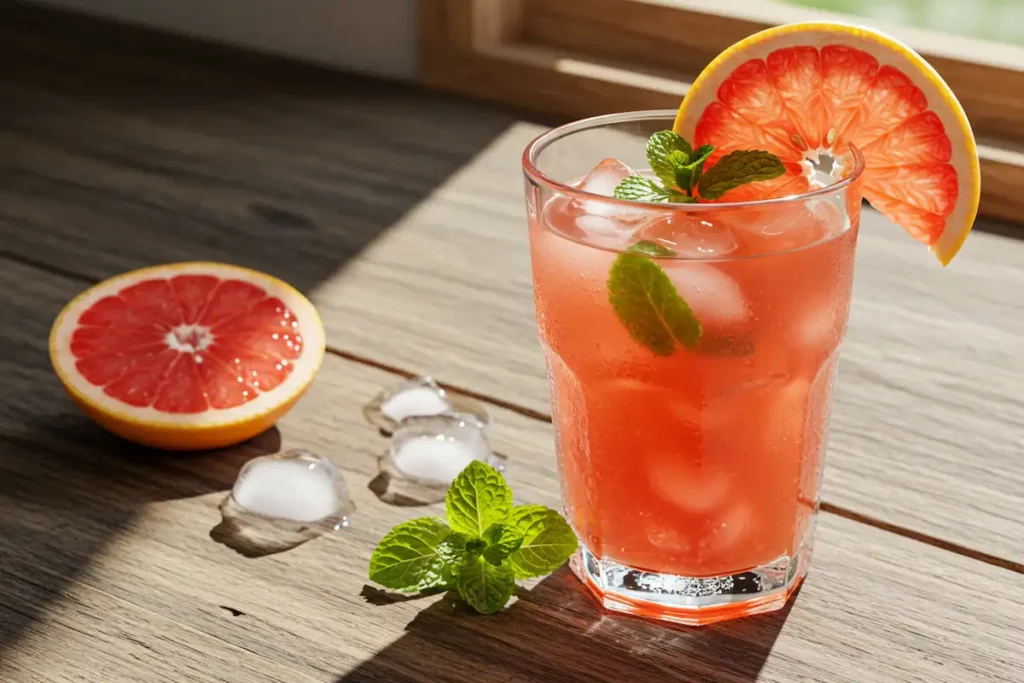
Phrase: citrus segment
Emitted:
{"points": [[187, 356], [802, 91]]}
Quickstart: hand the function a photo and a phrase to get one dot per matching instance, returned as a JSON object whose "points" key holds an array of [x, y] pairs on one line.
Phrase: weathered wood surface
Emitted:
{"points": [[108, 573], [401, 213]]}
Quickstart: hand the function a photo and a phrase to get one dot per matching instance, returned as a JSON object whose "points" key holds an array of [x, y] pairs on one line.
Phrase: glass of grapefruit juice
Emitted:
{"points": [[689, 439]]}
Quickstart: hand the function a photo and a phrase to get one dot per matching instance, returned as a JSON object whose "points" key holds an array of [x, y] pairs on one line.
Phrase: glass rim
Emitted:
{"points": [[545, 139]]}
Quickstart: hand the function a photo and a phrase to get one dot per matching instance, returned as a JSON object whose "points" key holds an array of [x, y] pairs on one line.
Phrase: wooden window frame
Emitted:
{"points": [[576, 58]]}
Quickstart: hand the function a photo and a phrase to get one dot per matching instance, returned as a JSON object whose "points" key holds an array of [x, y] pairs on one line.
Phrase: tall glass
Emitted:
{"points": [[690, 475]]}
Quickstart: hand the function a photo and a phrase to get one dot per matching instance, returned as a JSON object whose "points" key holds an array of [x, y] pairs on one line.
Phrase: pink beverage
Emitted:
{"points": [[690, 475]]}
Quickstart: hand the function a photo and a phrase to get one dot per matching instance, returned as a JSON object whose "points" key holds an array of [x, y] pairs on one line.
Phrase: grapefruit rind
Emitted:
{"points": [[188, 431], [888, 51]]}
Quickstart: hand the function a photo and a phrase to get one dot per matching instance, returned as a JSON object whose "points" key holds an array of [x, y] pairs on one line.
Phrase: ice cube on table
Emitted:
{"points": [[420, 396], [427, 453], [435, 460], [421, 400], [281, 501], [297, 486], [690, 235]]}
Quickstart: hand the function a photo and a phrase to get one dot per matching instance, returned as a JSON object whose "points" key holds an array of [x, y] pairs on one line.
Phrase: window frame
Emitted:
{"points": [[574, 59]]}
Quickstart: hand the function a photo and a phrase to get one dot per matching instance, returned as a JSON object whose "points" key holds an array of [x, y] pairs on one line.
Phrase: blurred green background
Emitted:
{"points": [[1001, 20]]}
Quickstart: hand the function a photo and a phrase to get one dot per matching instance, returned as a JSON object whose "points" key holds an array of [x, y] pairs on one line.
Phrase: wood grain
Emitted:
{"points": [[106, 548], [92, 636], [168, 163]]}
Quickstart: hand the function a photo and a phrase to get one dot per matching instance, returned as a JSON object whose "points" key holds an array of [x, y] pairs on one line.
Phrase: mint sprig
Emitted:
{"points": [[642, 295], [680, 168], [485, 546], [660, 148]]}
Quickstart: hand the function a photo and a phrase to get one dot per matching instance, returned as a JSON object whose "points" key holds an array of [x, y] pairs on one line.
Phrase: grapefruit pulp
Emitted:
{"points": [[805, 90], [187, 356]]}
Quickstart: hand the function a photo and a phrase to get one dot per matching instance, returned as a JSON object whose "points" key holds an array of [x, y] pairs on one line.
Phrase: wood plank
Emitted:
{"points": [[298, 181], [92, 636], [87, 516], [313, 175]]}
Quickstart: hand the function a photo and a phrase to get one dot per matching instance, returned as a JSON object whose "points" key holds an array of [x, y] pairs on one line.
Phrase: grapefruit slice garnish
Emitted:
{"points": [[187, 356], [803, 90]]}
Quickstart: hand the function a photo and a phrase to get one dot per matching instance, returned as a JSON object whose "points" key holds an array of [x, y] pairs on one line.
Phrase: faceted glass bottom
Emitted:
{"points": [[693, 601]]}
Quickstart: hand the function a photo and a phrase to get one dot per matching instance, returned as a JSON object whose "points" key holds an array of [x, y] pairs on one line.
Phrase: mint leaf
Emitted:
{"points": [[451, 557], [478, 498], [688, 170], [486, 587], [702, 153], [475, 546], [686, 174], [487, 546], [695, 169], [739, 168], [647, 303], [548, 541], [413, 556], [648, 248], [677, 197], [502, 540], [660, 148], [638, 188]]}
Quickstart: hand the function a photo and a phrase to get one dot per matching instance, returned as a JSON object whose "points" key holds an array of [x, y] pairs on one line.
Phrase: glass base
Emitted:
{"points": [[693, 601]]}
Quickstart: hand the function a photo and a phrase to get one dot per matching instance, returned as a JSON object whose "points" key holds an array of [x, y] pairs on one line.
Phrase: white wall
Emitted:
{"points": [[370, 36]]}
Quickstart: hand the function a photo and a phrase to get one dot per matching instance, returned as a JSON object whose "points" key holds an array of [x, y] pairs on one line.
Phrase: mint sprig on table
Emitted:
{"points": [[483, 548], [639, 290]]}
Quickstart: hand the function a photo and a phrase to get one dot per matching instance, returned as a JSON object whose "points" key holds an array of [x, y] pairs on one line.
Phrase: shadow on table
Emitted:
{"points": [[557, 632], [67, 488], [131, 148]]}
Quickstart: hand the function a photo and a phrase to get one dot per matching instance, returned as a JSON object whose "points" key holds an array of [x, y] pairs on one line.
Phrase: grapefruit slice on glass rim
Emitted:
{"points": [[187, 356], [803, 90]]}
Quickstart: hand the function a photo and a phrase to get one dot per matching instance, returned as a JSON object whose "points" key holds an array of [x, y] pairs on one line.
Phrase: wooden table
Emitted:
{"points": [[400, 213]]}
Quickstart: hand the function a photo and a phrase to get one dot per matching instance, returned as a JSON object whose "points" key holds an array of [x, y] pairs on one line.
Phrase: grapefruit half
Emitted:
{"points": [[187, 356], [803, 90]]}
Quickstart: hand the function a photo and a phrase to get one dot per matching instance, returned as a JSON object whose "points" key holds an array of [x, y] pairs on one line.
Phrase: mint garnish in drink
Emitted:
{"points": [[640, 188], [483, 548], [739, 168], [648, 304], [640, 292], [680, 169]]}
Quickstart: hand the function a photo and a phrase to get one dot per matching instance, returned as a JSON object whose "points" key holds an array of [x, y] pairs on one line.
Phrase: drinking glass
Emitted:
{"points": [[691, 474]]}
